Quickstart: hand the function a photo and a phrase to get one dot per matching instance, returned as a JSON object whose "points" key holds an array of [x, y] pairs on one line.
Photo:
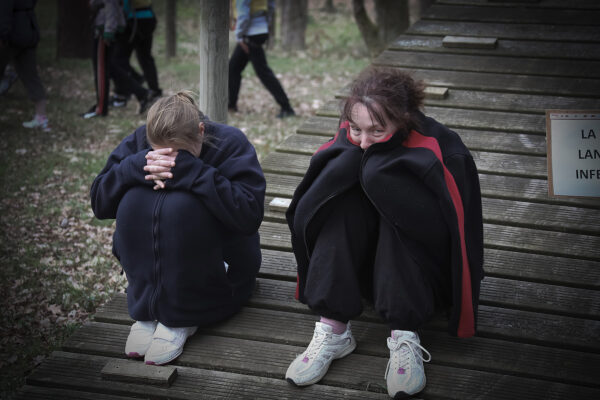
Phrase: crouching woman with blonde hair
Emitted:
{"points": [[187, 194]]}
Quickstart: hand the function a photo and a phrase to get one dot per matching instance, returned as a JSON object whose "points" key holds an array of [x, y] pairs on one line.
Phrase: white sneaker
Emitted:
{"points": [[405, 374], [325, 346], [167, 344], [140, 338]]}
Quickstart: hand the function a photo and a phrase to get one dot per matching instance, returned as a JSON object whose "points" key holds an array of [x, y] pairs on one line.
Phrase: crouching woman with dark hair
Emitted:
{"points": [[188, 198], [388, 211]]}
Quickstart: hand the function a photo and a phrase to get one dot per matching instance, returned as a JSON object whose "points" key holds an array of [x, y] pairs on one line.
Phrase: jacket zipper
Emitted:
{"points": [[155, 237]]}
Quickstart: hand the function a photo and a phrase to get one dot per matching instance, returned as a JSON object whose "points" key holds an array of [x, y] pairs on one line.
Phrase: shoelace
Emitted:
{"points": [[315, 344], [404, 353]]}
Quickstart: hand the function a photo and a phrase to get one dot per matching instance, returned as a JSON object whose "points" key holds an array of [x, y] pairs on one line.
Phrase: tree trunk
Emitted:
{"points": [[171, 28], [73, 29], [392, 19], [294, 18], [329, 7], [366, 27], [214, 50]]}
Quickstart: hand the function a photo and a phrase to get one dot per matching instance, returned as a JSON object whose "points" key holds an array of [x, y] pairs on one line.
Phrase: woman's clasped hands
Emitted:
{"points": [[158, 166]]}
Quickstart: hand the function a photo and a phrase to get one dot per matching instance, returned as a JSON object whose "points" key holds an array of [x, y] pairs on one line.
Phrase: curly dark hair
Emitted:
{"points": [[387, 92]]}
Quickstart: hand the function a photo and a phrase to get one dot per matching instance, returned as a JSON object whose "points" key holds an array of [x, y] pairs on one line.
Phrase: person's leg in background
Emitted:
{"points": [[237, 63], [258, 59]]}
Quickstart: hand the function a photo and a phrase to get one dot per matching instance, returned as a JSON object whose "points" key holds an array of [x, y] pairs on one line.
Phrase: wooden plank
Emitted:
{"points": [[506, 47], [577, 334], [276, 236], [474, 139], [137, 372], [493, 186], [542, 216], [278, 264], [434, 92], [489, 163], [488, 63], [451, 117], [45, 393], [520, 14], [279, 204], [470, 42], [515, 213], [77, 371], [509, 83], [272, 359], [520, 31]]}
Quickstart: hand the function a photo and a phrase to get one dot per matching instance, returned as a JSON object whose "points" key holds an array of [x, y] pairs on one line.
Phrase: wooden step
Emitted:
{"points": [[521, 31], [506, 47], [82, 372], [487, 163], [489, 63], [276, 236], [520, 14], [318, 130], [272, 359]]}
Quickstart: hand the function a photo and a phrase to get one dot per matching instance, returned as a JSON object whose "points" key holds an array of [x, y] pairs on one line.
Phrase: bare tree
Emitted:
{"points": [[294, 18], [391, 19]]}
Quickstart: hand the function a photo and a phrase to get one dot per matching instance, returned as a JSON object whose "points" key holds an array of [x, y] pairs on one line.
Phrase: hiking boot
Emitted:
{"points": [[325, 346], [38, 122], [286, 112], [140, 338], [405, 374], [167, 344]]}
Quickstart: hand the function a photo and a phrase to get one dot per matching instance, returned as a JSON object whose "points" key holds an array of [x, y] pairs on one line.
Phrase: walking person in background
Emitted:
{"points": [[188, 197], [251, 32], [138, 36], [19, 36], [108, 21], [388, 211]]}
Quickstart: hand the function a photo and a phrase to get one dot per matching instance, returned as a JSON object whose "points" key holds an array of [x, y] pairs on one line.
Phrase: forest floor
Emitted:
{"points": [[56, 265]]}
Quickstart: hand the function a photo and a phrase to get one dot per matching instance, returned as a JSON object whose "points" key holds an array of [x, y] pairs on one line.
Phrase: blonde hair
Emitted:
{"points": [[174, 121]]}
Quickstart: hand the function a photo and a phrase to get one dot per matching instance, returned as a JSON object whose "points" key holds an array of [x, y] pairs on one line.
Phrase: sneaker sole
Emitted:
{"points": [[163, 362], [349, 350]]}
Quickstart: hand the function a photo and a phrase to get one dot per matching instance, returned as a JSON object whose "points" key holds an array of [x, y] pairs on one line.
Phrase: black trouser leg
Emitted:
{"points": [[124, 81], [26, 66], [143, 51], [237, 63], [340, 268], [264, 72], [121, 56]]}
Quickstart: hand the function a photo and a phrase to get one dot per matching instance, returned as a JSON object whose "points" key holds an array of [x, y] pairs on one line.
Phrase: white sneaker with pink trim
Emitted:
{"points": [[140, 338], [405, 374], [167, 344], [325, 346]]}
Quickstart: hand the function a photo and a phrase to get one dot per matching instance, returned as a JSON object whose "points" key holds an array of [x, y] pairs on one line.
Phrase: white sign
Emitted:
{"points": [[573, 138]]}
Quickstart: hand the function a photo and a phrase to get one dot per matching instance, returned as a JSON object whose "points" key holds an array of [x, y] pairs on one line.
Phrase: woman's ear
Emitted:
{"points": [[201, 126]]}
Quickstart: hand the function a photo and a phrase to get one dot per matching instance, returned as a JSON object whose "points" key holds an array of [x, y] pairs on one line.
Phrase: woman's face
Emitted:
{"points": [[365, 130]]}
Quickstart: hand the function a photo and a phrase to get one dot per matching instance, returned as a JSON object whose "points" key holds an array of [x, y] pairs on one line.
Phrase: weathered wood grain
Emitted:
{"points": [[136, 372], [28, 392], [506, 47], [82, 372], [276, 236], [272, 359], [489, 63], [515, 13], [546, 32], [470, 42]]}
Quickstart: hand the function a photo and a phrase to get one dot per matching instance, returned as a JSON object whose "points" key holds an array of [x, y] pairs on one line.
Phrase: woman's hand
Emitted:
{"points": [[158, 165]]}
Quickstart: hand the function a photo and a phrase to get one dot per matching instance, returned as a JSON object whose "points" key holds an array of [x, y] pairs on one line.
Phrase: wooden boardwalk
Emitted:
{"points": [[539, 319]]}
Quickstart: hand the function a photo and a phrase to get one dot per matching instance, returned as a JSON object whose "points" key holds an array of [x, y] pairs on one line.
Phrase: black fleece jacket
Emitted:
{"points": [[392, 174], [172, 242]]}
